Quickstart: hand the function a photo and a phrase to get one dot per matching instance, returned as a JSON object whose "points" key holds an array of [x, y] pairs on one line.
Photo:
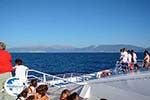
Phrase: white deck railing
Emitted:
{"points": [[53, 80], [63, 79]]}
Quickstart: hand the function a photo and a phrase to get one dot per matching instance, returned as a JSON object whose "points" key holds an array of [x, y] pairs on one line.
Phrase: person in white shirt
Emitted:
{"points": [[20, 70], [125, 56], [130, 64], [129, 57], [134, 60], [124, 63]]}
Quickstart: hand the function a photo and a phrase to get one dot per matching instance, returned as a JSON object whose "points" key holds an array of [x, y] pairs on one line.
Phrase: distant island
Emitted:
{"points": [[92, 48]]}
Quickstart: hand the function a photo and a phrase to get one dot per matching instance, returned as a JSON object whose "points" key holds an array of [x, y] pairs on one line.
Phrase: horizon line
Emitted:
{"points": [[76, 46]]}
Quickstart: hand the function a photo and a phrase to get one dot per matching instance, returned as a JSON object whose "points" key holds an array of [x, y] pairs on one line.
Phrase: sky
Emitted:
{"points": [[76, 23]]}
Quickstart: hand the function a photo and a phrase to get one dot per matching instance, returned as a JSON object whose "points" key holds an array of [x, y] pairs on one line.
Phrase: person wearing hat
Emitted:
{"points": [[5, 68]]}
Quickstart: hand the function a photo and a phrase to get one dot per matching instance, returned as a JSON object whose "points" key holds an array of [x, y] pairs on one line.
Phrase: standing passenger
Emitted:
{"points": [[146, 59], [121, 55], [134, 60], [125, 56], [5, 70], [125, 60], [130, 64]]}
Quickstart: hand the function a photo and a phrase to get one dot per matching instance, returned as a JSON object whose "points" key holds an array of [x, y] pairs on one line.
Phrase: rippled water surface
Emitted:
{"points": [[59, 63]]}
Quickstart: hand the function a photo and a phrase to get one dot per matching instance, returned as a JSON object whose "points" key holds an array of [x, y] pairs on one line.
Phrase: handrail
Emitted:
{"points": [[45, 74], [72, 79]]}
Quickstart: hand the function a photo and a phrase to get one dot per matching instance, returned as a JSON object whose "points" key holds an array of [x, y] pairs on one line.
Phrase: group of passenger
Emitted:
{"points": [[104, 73], [128, 60], [34, 92]]}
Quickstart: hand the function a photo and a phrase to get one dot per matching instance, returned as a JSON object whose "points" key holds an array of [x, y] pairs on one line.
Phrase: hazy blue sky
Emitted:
{"points": [[74, 22]]}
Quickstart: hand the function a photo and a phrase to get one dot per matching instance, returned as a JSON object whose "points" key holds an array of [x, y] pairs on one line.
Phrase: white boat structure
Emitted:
{"points": [[130, 86]]}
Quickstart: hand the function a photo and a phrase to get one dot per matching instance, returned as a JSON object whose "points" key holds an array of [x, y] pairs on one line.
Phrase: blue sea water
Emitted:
{"points": [[60, 63]]}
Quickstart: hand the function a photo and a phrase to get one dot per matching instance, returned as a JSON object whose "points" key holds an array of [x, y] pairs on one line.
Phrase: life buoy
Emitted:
{"points": [[14, 86]]}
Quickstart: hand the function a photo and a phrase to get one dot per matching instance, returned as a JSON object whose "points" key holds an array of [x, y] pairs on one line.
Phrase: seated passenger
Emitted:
{"points": [[23, 95], [41, 93], [31, 97], [20, 70], [103, 99], [106, 73], [32, 87], [73, 96], [65, 94]]}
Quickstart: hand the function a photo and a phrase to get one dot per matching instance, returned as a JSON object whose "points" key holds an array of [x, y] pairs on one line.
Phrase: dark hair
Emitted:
{"points": [[2, 45], [24, 93], [132, 51], [66, 91], [42, 89], [34, 82], [31, 97], [18, 61], [103, 99], [121, 50], [145, 53], [45, 87], [73, 96], [129, 51]]}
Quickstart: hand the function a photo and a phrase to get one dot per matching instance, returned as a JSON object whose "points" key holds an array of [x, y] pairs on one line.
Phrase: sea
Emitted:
{"points": [[62, 63]]}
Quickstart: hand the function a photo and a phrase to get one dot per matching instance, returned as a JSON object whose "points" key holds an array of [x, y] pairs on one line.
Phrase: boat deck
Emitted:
{"points": [[98, 87]]}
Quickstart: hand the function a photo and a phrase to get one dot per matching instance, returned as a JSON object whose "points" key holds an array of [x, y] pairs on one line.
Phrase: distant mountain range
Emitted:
{"points": [[92, 48]]}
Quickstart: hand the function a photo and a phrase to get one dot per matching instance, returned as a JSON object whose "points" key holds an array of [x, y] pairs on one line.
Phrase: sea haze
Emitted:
{"points": [[91, 48]]}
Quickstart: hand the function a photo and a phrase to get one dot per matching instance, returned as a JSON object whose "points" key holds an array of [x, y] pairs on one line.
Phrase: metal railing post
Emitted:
{"points": [[44, 77]]}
